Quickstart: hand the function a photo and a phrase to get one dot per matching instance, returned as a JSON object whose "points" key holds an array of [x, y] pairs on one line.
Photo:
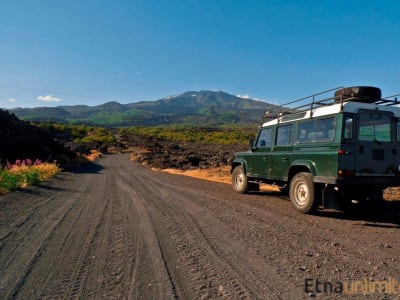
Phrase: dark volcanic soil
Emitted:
{"points": [[164, 154], [119, 230]]}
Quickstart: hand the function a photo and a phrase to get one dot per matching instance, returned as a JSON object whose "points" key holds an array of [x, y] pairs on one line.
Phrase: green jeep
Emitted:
{"points": [[334, 149]]}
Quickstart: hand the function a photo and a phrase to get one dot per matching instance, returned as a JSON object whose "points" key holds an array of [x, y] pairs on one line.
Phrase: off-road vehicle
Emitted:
{"points": [[334, 148]]}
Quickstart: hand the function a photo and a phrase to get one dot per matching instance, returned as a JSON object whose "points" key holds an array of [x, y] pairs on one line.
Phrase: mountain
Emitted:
{"points": [[190, 108]]}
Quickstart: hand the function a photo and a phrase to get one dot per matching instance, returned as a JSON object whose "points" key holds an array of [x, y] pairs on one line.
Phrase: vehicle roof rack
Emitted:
{"points": [[321, 99], [390, 100]]}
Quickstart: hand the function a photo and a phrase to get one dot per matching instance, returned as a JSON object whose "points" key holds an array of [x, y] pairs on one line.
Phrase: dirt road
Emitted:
{"points": [[118, 230]]}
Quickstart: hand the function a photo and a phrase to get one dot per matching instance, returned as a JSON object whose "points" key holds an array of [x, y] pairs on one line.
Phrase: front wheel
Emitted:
{"points": [[239, 180], [302, 193]]}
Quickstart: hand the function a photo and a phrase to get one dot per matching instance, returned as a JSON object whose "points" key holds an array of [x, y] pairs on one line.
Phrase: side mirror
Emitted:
{"points": [[251, 142]]}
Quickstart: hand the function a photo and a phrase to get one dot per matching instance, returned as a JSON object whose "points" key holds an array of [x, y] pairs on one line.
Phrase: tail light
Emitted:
{"points": [[345, 173]]}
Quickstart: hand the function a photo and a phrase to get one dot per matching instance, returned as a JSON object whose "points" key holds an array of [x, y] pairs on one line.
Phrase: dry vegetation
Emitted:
{"points": [[24, 173], [220, 174]]}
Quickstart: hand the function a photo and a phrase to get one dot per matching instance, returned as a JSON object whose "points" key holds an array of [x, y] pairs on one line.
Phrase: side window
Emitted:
{"points": [[398, 130], [264, 138], [306, 132], [348, 128], [283, 135], [325, 130]]}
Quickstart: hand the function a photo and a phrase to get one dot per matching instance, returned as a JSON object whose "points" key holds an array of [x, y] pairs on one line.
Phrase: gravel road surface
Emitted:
{"points": [[119, 230]]}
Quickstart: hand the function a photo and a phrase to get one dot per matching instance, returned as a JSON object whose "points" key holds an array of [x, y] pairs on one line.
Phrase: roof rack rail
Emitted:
{"points": [[390, 100], [301, 105], [312, 102]]}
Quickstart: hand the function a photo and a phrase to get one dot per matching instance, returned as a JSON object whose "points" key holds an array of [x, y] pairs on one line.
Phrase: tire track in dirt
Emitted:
{"points": [[299, 246], [121, 241], [80, 236], [206, 264], [151, 276], [127, 232], [201, 221], [37, 235], [15, 225]]}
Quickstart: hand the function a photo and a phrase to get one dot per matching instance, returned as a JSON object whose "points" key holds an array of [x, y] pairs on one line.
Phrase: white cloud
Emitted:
{"points": [[11, 100], [245, 96], [49, 98]]}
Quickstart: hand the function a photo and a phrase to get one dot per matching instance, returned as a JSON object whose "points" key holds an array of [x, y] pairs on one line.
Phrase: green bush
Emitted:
{"points": [[9, 181], [22, 175], [30, 178]]}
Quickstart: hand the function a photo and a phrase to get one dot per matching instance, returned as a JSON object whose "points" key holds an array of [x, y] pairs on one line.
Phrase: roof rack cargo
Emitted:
{"points": [[365, 94]]}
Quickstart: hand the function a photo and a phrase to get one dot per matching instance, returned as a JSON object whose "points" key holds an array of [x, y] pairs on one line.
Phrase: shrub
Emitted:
{"points": [[8, 181], [24, 173]]}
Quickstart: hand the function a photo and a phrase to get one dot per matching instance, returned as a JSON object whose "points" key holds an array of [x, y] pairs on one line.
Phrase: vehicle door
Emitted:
{"points": [[282, 152], [375, 146], [259, 162]]}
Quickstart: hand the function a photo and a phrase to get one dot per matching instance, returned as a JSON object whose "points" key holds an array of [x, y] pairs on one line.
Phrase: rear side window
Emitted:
{"points": [[348, 128], [316, 131], [326, 129]]}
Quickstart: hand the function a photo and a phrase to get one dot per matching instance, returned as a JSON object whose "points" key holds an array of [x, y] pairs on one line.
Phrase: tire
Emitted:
{"points": [[366, 94], [239, 180], [302, 193], [371, 203]]}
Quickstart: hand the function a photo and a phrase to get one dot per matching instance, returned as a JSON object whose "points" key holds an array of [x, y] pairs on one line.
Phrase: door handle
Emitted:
{"points": [[361, 149], [285, 158], [265, 157]]}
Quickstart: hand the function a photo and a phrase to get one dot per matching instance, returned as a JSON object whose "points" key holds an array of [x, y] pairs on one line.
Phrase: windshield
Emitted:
{"points": [[374, 126]]}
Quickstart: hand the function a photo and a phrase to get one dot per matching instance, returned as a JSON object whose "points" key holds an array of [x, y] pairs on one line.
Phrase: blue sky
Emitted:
{"points": [[89, 52]]}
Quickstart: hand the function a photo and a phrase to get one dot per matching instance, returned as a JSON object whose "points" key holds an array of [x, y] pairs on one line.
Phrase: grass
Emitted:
{"points": [[25, 173]]}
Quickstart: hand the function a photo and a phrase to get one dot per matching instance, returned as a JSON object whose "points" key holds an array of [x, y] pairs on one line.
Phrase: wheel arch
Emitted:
{"points": [[239, 162], [301, 166]]}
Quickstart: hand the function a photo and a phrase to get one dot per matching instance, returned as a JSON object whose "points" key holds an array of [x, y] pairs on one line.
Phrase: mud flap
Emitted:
{"points": [[330, 198]]}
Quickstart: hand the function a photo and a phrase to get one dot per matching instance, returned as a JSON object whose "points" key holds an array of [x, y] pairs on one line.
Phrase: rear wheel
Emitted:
{"points": [[371, 201], [302, 193], [239, 180]]}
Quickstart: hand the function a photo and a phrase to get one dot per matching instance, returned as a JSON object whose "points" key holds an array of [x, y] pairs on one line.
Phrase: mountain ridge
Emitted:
{"points": [[191, 107]]}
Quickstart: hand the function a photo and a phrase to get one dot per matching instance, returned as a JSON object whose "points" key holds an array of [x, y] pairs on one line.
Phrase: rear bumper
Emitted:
{"points": [[358, 181], [381, 181]]}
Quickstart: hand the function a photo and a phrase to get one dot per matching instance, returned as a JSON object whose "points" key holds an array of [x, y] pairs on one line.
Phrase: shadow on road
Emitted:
{"points": [[385, 215], [88, 168]]}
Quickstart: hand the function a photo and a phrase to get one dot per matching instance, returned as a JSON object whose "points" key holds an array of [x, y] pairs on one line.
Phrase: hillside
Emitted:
{"points": [[20, 140], [195, 108]]}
